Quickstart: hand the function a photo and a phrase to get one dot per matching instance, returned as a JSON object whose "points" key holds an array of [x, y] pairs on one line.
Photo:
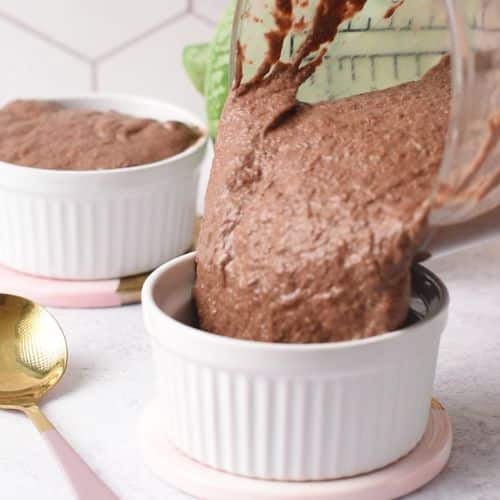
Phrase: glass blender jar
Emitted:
{"points": [[392, 42]]}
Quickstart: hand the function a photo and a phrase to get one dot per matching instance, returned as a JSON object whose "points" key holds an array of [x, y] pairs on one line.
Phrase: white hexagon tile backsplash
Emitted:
{"points": [[55, 47], [210, 9]]}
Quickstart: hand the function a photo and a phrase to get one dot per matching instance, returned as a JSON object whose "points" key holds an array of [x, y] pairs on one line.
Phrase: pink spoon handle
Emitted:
{"points": [[86, 484]]}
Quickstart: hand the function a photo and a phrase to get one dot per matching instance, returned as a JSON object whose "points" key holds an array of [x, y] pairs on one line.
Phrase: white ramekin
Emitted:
{"points": [[106, 223], [290, 412]]}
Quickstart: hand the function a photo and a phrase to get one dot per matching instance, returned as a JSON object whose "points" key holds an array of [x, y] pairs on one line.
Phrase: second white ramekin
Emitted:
{"points": [[291, 412], [102, 224]]}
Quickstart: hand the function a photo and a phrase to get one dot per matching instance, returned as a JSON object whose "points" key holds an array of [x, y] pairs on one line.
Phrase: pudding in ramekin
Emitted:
{"points": [[291, 412], [101, 224]]}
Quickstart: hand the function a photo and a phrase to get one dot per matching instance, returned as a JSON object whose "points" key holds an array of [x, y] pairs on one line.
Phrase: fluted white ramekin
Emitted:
{"points": [[291, 412], [101, 224]]}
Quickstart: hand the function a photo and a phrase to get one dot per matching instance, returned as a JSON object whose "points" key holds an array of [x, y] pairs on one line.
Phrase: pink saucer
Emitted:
{"points": [[76, 294], [399, 479]]}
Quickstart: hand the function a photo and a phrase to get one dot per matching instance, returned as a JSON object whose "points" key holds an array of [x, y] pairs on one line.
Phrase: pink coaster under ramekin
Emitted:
{"points": [[74, 294], [404, 477]]}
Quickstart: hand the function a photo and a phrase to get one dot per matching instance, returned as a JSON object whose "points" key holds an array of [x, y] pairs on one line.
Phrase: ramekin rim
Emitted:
{"points": [[53, 173], [148, 301]]}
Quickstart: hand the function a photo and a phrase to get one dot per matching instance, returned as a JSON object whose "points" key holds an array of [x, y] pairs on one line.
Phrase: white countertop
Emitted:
{"points": [[98, 403]]}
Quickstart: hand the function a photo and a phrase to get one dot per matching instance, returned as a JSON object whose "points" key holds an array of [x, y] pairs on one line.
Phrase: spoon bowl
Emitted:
{"points": [[33, 352]]}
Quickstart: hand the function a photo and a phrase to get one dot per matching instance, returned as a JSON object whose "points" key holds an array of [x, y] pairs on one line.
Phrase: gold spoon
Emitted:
{"points": [[33, 358]]}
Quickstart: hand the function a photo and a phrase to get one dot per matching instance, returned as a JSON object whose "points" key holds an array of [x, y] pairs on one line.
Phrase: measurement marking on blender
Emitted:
{"points": [[391, 27], [373, 70], [292, 46], [371, 59], [384, 68], [410, 26], [395, 56], [418, 61]]}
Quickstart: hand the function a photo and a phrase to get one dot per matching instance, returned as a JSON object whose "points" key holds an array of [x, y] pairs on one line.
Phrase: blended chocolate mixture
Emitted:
{"points": [[314, 213], [49, 135]]}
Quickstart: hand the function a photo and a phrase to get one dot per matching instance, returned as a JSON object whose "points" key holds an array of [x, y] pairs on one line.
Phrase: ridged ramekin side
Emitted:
{"points": [[290, 412], [85, 236], [295, 428]]}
